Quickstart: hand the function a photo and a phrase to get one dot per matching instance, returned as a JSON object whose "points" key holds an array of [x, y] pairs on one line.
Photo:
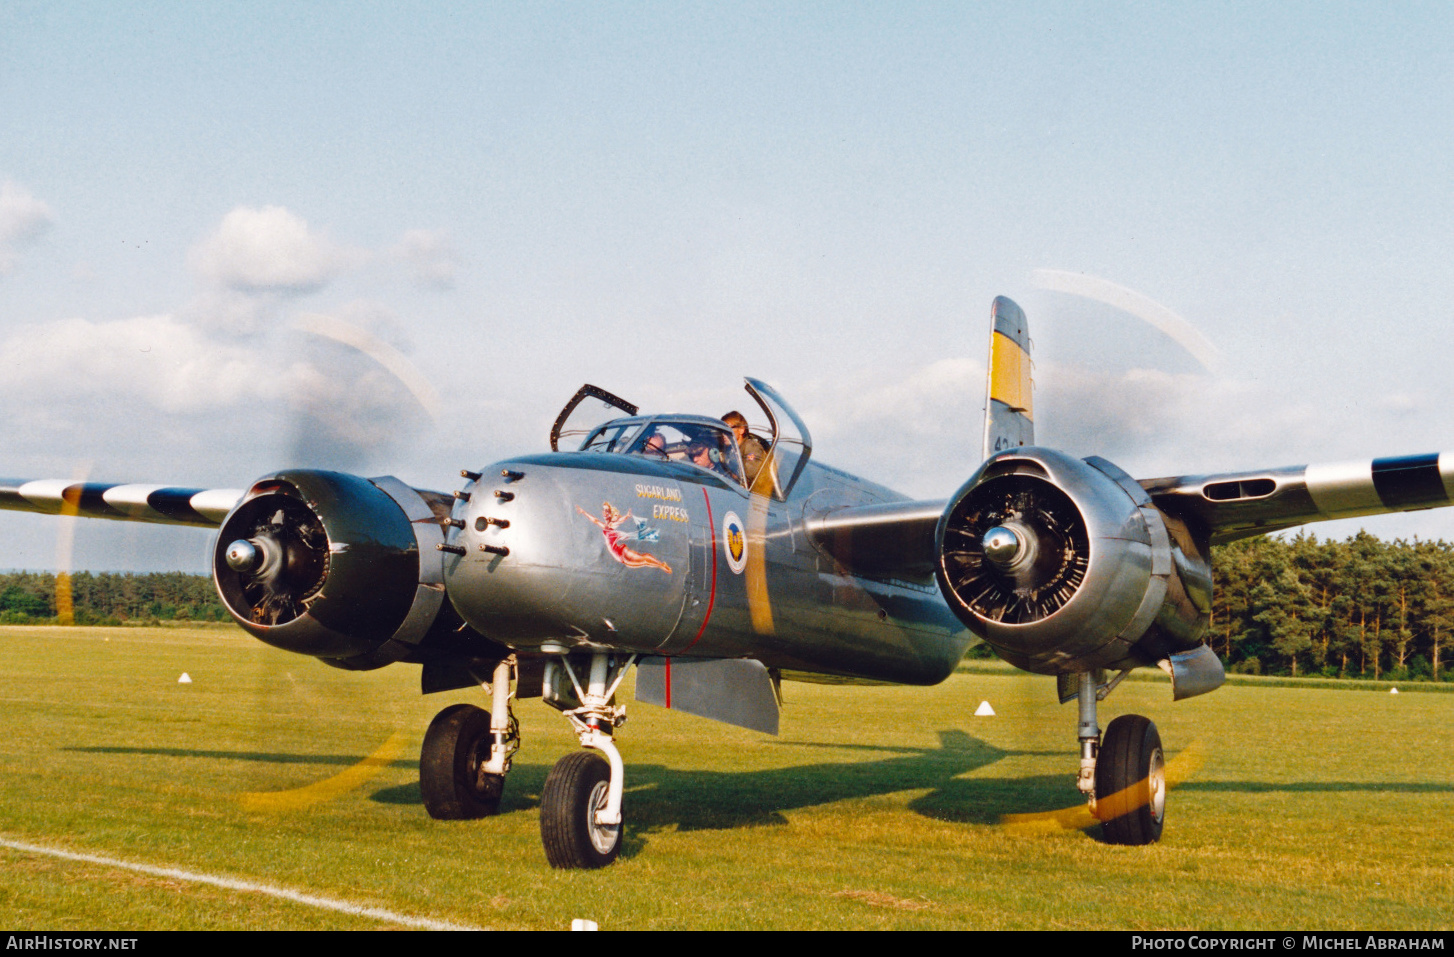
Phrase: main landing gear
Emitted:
{"points": [[1123, 775], [467, 753]]}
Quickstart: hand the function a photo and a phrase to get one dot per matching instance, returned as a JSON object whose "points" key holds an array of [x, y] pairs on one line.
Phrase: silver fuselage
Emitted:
{"points": [[717, 572]]}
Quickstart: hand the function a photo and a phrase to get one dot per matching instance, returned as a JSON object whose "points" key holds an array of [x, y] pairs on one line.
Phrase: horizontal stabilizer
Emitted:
{"points": [[735, 691], [1241, 504], [159, 504]]}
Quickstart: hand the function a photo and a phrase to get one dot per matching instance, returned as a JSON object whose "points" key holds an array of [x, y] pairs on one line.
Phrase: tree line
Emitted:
{"points": [[108, 598], [1361, 607]]}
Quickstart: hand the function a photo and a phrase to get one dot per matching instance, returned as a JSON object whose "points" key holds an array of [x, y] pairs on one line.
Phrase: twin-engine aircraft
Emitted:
{"points": [[719, 562]]}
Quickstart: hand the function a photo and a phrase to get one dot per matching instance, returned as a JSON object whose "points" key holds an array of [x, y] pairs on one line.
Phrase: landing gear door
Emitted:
{"points": [[791, 443], [576, 421]]}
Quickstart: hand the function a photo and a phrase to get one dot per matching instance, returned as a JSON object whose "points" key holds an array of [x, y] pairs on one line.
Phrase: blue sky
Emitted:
{"points": [[661, 198]]}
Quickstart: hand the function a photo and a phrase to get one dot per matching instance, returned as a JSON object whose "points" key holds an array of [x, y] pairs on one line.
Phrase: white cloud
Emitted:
{"points": [[269, 250], [22, 219], [918, 404], [920, 432], [429, 255], [166, 364], [234, 311], [140, 386]]}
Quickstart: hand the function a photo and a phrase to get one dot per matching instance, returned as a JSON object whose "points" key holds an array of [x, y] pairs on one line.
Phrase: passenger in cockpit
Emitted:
{"points": [[754, 450]]}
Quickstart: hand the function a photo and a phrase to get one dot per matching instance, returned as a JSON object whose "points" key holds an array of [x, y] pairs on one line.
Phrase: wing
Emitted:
{"points": [[893, 540], [159, 504], [897, 539], [1241, 504]]}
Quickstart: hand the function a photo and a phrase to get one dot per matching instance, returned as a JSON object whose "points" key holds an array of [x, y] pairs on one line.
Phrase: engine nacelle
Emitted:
{"points": [[1064, 565], [332, 565]]}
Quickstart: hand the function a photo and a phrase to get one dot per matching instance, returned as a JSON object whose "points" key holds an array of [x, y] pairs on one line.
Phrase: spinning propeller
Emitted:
{"points": [[1016, 549], [360, 402], [280, 563]]}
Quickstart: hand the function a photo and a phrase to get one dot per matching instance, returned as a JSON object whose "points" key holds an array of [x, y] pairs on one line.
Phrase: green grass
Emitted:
{"points": [[876, 808], [994, 666]]}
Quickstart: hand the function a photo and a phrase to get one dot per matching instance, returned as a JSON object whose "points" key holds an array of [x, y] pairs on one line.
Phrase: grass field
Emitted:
{"points": [[875, 808]]}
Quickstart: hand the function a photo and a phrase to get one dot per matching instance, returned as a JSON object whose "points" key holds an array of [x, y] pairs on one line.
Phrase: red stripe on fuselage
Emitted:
{"points": [[712, 595], [668, 684]]}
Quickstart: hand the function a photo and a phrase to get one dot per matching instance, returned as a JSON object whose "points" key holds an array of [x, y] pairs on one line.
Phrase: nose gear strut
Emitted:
{"points": [[580, 806]]}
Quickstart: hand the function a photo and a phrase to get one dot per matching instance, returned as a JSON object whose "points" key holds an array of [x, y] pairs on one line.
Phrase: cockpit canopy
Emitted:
{"points": [[777, 454], [705, 443]]}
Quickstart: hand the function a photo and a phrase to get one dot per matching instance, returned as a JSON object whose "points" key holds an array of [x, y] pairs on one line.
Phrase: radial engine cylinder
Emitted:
{"points": [[1064, 565]]}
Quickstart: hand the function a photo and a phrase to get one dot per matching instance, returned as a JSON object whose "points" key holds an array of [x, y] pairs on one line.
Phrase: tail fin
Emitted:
{"points": [[1009, 415]]}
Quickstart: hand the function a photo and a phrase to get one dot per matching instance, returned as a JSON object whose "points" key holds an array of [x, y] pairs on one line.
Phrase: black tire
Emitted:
{"points": [[1131, 782], [456, 745], [575, 788]]}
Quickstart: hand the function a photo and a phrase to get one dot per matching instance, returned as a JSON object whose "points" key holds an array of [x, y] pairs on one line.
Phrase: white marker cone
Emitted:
{"points": [[580, 923], [1393, 691], [984, 710], [186, 679]]}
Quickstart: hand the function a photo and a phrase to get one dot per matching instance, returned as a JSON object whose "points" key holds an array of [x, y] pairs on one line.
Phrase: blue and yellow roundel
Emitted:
{"points": [[734, 542]]}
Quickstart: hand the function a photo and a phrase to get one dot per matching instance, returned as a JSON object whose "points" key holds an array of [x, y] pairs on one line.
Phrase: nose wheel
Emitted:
{"points": [[576, 793], [580, 807]]}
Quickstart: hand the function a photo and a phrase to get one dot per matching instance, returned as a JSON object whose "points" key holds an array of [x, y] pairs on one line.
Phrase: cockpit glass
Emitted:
{"points": [[765, 460], [690, 442], [610, 438], [588, 410]]}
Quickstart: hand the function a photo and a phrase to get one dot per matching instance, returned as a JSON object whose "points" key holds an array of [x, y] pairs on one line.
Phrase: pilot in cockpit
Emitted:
{"points": [[705, 447], [702, 453]]}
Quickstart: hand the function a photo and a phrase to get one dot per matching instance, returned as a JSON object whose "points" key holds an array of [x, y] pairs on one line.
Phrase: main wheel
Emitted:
{"points": [[1131, 782], [451, 776], [575, 790]]}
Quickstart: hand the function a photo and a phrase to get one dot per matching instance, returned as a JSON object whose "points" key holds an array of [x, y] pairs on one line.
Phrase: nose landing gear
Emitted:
{"points": [[576, 793], [580, 807]]}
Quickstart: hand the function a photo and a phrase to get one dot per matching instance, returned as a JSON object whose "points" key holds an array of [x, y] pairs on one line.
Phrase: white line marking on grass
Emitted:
{"points": [[232, 884]]}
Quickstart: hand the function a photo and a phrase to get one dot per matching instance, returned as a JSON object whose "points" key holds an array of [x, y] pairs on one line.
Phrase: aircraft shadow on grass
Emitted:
{"points": [[1316, 787], [663, 798], [265, 757]]}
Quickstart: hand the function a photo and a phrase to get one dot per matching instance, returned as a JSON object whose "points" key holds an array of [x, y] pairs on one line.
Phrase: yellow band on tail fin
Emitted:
{"points": [[1009, 420], [1010, 375]]}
